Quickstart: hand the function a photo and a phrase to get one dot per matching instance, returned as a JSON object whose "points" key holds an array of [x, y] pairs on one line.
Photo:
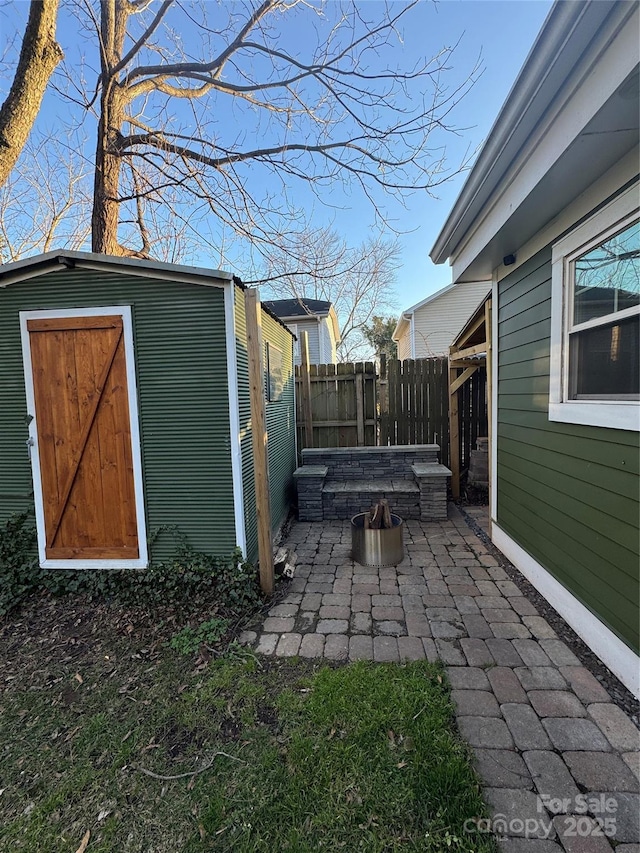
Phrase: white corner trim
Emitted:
{"points": [[493, 509], [123, 311], [616, 655], [412, 337], [234, 417]]}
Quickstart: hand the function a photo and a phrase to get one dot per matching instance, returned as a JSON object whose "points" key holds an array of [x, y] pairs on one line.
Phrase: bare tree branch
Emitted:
{"points": [[39, 56]]}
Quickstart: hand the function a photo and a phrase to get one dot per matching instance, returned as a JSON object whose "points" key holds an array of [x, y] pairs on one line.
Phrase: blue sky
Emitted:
{"points": [[498, 32], [502, 33]]}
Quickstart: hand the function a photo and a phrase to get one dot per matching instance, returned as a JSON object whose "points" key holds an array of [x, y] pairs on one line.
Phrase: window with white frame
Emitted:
{"points": [[595, 352]]}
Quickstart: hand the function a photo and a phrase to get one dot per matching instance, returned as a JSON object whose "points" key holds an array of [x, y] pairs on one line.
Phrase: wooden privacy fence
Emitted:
{"points": [[414, 403], [405, 402], [344, 404]]}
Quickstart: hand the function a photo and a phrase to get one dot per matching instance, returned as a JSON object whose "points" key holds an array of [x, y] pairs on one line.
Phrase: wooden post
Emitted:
{"points": [[259, 439], [305, 387], [383, 384], [454, 445], [360, 406], [487, 327]]}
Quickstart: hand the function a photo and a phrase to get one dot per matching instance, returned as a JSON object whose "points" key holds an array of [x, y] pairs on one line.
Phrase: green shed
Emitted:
{"points": [[125, 409]]}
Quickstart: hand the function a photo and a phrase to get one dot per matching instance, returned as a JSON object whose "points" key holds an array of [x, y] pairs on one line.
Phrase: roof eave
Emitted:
{"points": [[405, 319], [495, 158]]}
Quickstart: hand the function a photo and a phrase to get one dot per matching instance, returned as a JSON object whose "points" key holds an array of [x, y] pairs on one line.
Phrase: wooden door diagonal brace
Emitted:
{"points": [[84, 436]]}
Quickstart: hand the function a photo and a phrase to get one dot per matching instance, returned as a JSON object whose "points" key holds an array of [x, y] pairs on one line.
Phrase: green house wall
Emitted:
{"points": [[567, 494], [280, 426], [181, 369]]}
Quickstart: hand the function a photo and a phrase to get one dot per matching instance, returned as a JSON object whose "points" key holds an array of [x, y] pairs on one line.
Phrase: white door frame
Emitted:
{"points": [[123, 311]]}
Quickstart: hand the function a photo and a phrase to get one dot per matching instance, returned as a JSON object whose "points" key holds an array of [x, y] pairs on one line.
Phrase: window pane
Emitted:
{"points": [[607, 278], [605, 361]]}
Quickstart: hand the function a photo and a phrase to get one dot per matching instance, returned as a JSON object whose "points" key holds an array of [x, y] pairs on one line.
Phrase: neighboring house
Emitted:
{"points": [[550, 213], [428, 328], [317, 318], [127, 382]]}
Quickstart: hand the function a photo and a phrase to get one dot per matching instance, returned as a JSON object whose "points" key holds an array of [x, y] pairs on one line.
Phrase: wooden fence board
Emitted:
{"points": [[408, 403]]}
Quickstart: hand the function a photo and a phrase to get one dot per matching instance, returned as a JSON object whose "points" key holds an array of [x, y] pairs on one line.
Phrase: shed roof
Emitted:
{"points": [[39, 264]]}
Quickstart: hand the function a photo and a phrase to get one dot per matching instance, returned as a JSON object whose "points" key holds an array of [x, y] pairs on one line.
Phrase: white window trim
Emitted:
{"points": [[123, 311], [602, 413]]}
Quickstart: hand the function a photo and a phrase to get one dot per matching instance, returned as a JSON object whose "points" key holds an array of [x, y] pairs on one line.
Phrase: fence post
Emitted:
{"points": [[259, 439], [383, 398], [360, 407], [305, 387], [454, 444]]}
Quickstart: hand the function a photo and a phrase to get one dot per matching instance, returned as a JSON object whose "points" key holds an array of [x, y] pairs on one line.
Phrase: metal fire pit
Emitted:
{"points": [[377, 548]]}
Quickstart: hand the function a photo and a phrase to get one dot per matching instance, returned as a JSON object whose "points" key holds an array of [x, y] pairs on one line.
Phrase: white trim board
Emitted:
{"points": [[495, 306], [234, 417], [123, 311], [619, 212], [616, 655]]}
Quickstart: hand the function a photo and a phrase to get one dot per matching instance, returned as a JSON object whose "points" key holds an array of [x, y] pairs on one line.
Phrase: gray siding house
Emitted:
{"points": [[550, 212], [427, 329], [127, 383]]}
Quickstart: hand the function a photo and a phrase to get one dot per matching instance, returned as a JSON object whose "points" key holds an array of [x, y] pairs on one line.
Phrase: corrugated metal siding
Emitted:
{"points": [[568, 494], [437, 323], [244, 412], [280, 427], [180, 352]]}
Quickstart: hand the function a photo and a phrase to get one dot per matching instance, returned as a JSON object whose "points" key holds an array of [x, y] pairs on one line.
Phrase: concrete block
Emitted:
{"points": [[502, 768], [570, 734], [525, 726], [486, 732], [598, 771], [616, 726]]}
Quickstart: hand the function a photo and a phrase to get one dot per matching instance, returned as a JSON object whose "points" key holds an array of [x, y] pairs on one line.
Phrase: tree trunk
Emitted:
{"points": [[105, 216], [39, 56], [106, 183]]}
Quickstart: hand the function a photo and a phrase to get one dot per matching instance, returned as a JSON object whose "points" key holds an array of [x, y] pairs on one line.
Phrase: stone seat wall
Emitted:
{"points": [[337, 483]]}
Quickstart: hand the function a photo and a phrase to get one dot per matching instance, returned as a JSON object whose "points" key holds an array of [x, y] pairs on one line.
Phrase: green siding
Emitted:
{"points": [[568, 494], [181, 368], [280, 427]]}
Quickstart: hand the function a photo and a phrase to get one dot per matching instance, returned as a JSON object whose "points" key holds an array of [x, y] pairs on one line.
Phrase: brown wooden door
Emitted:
{"points": [[84, 438]]}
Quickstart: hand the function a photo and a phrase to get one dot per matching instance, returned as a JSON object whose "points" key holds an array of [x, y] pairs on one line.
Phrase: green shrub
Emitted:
{"points": [[189, 581], [189, 640], [20, 574]]}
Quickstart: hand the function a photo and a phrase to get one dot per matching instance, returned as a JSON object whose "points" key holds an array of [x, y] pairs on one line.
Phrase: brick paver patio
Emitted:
{"points": [[559, 761]]}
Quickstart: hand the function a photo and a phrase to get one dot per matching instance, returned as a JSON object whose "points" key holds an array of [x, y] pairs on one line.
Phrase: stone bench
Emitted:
{"points": [[337, 483]]}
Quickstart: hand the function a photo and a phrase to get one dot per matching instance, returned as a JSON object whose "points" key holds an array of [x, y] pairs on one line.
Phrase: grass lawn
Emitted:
{"points": [[291, 755]]}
